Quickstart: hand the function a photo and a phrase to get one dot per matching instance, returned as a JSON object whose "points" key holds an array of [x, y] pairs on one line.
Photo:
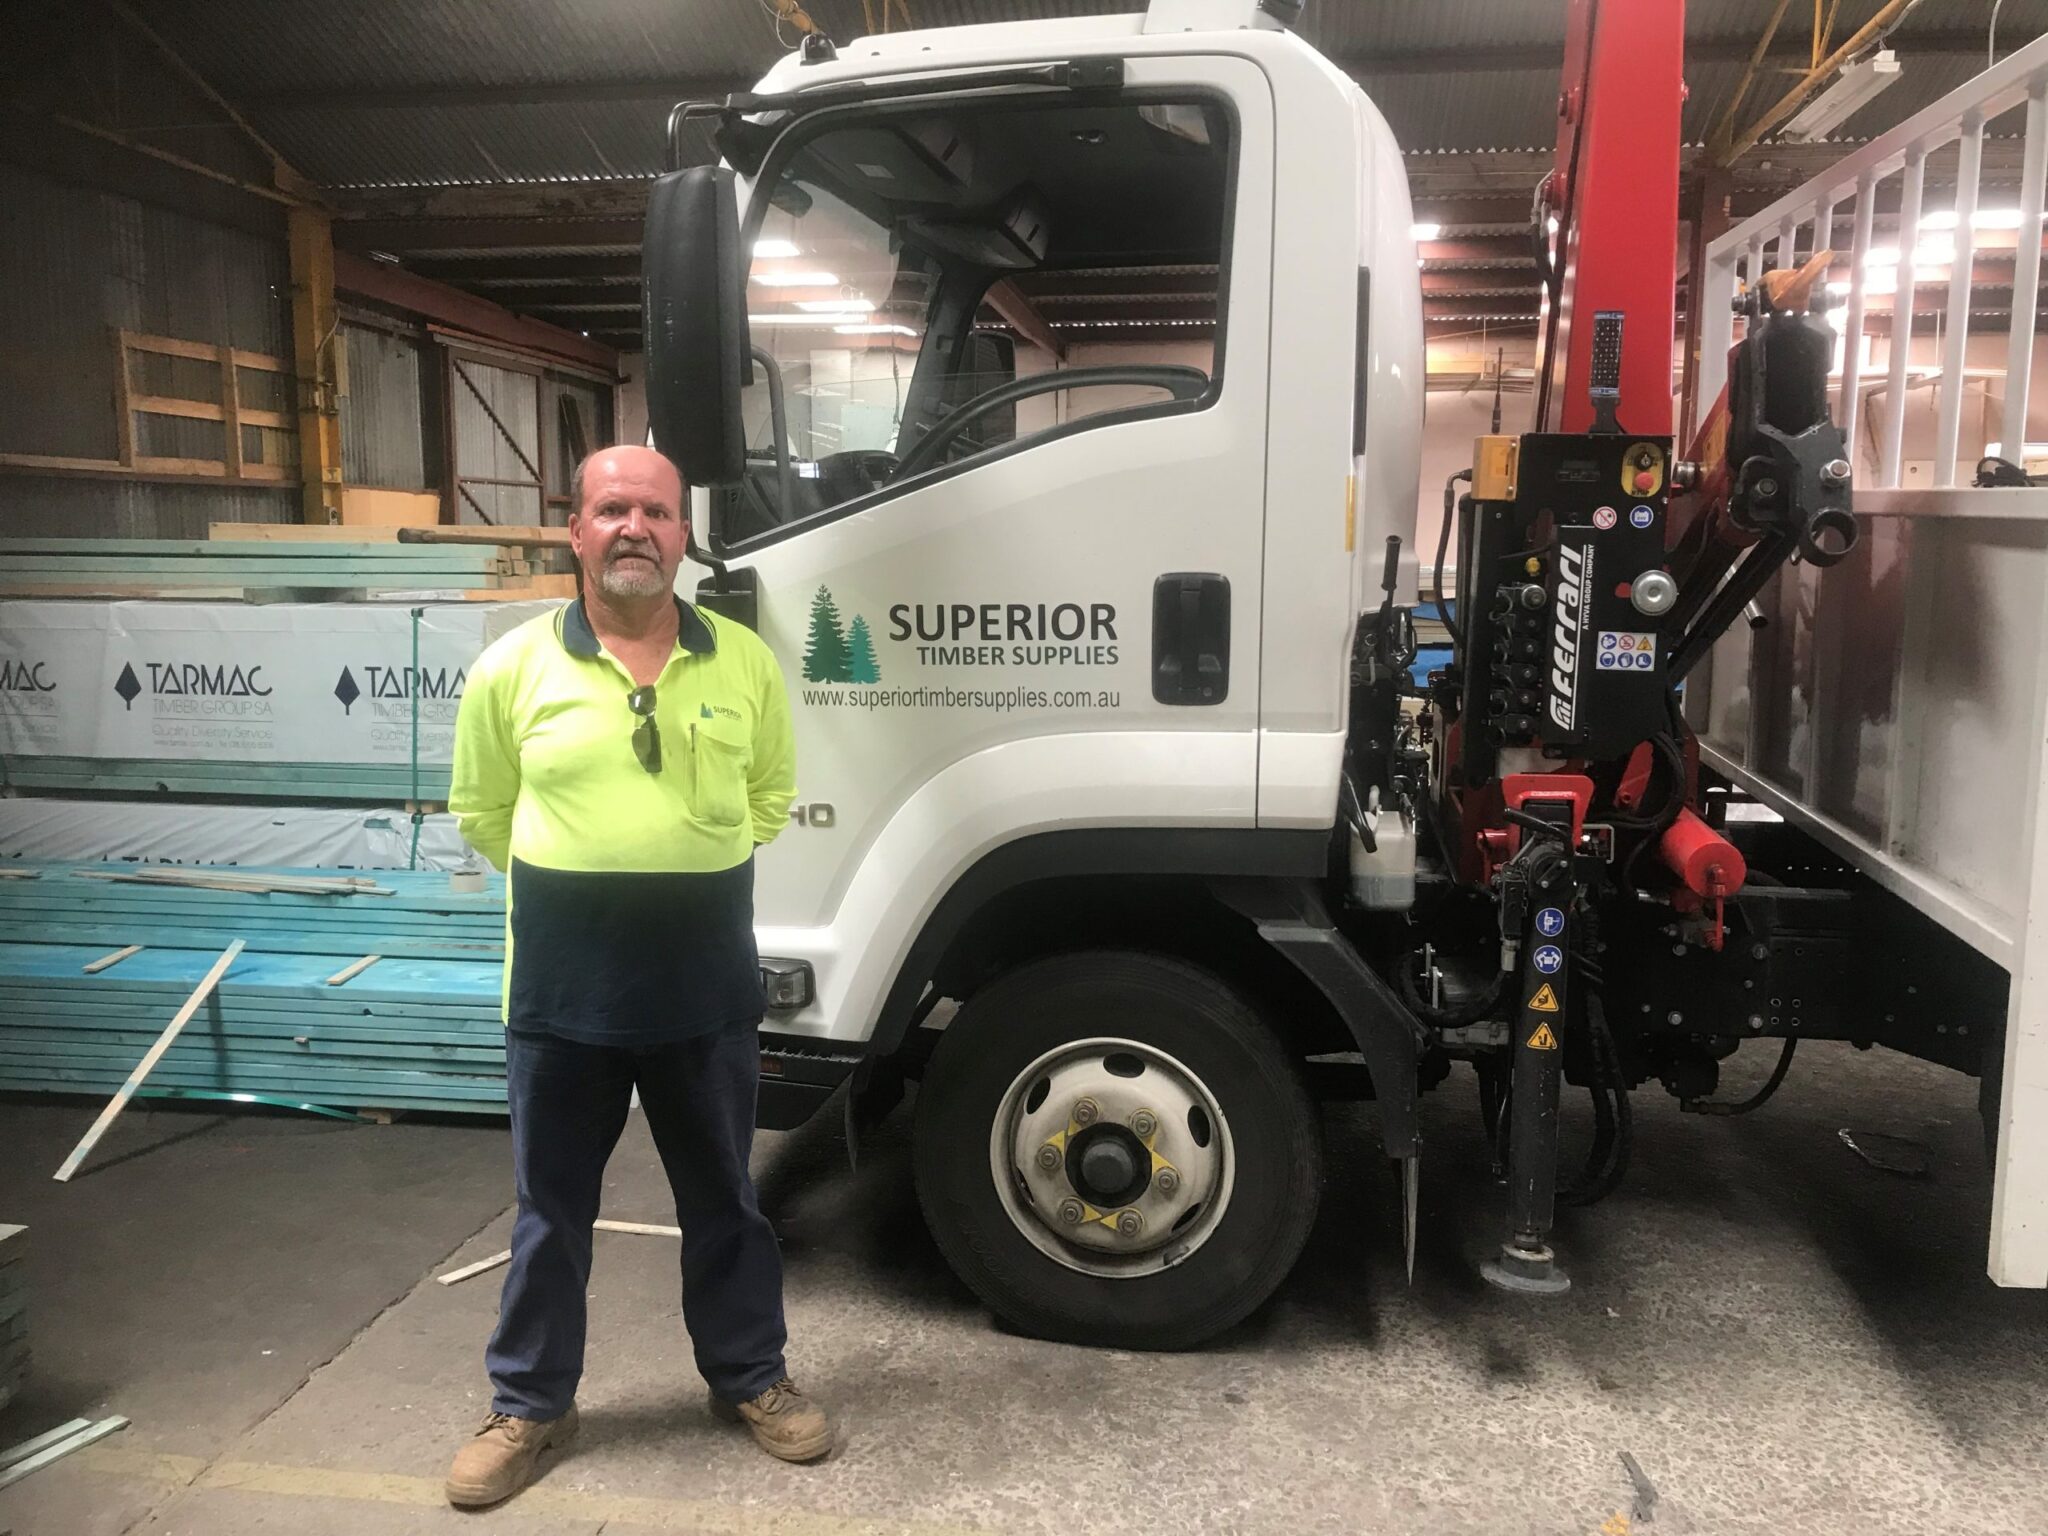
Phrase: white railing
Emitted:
{"points": [[1884, 281], [1896, 705]]}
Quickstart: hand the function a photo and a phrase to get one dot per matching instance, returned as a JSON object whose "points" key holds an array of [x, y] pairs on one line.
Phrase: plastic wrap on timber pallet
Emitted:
{"points": [[419, 1029], [322, 701], [376, 837], [196, 778]]}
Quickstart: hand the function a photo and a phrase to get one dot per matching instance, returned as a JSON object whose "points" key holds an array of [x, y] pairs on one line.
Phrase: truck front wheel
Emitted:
{"points": [[1112, 1149]]}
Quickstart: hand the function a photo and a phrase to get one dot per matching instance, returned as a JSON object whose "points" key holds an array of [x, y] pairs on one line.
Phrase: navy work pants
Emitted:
{"points": [[569, 1103]]}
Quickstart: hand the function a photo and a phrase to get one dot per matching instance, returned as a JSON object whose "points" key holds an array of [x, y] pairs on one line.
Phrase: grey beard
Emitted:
{"points": [[631, 580]]}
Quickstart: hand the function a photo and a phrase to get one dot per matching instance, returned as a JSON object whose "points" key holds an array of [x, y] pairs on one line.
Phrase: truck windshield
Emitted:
{"points": [[840, 306], [907, 263]]}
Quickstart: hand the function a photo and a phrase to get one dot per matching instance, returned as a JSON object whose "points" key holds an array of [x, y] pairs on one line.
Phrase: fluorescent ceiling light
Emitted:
{"points": [[836, 306], [816, 322], [1854, 86], [797, 279], [1983, 218], [1425, 231], [1931, 253], [1838, 287], [872, 330], [775, 248]]}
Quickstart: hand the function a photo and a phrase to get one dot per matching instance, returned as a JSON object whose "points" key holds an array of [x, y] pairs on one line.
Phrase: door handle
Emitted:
{"points": [[1191, 638]]}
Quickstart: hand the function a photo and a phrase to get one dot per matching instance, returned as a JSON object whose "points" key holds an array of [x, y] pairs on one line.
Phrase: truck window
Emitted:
{"points": [[919, 277]]}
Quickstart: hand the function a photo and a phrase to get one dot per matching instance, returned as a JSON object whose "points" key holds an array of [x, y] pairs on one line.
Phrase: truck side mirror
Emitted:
{"points": [[694, 303]]}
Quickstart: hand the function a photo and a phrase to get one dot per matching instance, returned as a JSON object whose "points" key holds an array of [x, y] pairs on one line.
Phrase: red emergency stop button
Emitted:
{"points": [[1646, 482]]}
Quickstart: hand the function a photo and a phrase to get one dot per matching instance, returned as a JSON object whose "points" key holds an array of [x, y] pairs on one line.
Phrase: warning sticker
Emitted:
{"points": [[1622, 651], [1545, 1000], [1543, 1039]]}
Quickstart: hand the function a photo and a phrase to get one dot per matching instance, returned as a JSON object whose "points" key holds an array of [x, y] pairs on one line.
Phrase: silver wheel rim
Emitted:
{"points": [[1118, 1106]]}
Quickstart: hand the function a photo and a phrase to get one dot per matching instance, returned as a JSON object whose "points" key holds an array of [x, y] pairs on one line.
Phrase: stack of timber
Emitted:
{"points": [[351, 991], [13, 1310], [524, 545], [394, 785], [351, 702], [245, 568]]}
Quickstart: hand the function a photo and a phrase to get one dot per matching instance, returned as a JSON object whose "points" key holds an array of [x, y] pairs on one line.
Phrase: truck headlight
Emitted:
{"points": [[788, 984]]}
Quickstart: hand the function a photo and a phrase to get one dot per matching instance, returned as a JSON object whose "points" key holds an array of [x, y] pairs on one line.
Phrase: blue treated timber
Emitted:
{"points": [[60, 966], [419, 1028]]}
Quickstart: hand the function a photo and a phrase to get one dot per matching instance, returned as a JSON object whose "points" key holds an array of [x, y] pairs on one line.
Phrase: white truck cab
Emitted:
{"points": [[1066, 611]]}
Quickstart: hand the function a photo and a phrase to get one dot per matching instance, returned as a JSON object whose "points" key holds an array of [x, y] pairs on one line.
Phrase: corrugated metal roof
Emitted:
{"points": [[1434, 110], [1366, 29], [328, 86], [442, 145], [263, 47]]}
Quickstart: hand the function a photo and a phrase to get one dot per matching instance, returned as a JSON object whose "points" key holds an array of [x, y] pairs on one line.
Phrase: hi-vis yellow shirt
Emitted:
{"points": [[631, 893]]}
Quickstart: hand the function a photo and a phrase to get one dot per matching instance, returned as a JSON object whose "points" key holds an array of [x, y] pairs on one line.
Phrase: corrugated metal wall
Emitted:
{"points": [[80, 265], [63, 507], [383, 419]]}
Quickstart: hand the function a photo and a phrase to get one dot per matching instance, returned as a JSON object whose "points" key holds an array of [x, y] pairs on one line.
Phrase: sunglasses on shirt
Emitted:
{"points": [[646, 735]]}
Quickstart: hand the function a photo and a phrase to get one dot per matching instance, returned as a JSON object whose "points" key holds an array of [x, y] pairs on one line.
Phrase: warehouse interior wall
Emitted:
{"points": [[84, 265]]}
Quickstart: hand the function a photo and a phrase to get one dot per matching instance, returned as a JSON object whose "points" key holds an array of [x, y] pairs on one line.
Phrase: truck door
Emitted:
{"points": [[1005, 517]]}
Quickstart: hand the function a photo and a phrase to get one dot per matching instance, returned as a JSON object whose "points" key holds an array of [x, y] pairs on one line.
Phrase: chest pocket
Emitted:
{"points": [[721, 752]]}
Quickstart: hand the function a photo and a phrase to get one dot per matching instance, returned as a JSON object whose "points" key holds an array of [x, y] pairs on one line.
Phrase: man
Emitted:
{"points": [[619, 759]]}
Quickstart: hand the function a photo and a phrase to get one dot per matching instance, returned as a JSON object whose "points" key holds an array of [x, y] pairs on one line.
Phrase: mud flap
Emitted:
{"points": [[1290, 916]]}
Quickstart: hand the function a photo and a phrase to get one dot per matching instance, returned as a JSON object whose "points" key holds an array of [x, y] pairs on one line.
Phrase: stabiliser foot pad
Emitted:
{"points": [[1527, 1271]]}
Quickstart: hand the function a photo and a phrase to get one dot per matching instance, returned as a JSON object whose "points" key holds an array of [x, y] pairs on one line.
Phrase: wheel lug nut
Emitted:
{"points": [[1168, 1181], [1144, 1123], [1070, 1212], [1085, 1112], [1130, 1223], [1049, 1157]]}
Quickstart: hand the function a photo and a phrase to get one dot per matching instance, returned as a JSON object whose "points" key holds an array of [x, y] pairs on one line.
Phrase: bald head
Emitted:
{"points": [[622, 455], [628, 528]]}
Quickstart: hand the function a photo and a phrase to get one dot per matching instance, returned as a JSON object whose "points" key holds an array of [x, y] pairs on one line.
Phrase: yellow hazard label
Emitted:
{"points": [[1545, 1000], [1543, 1039]]}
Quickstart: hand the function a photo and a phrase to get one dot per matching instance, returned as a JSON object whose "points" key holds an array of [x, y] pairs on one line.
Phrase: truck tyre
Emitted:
{"points": [[1112, 1149]]}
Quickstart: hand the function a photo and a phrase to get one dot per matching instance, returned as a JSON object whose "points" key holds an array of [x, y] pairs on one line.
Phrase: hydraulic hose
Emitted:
{"points": [[1613, 1121], [1756, 1100], [1443, 549]]}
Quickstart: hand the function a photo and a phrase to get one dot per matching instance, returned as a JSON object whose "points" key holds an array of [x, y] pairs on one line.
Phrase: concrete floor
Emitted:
{"points": [[1787, 1341]]}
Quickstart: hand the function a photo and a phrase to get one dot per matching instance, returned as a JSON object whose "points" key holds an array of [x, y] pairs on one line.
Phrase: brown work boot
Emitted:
{"points": [[499, 1459], [785, 1423]]}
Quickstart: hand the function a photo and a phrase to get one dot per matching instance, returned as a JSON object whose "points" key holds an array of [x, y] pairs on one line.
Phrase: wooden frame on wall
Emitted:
{"points": [[226, 407]]}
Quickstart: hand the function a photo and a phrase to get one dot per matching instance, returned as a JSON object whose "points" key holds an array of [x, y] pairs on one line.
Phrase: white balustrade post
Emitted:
{"points": [[1955, 342]]}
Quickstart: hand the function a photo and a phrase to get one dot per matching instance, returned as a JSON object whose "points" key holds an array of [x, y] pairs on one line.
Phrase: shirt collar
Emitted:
{"points": [[693, 633]]}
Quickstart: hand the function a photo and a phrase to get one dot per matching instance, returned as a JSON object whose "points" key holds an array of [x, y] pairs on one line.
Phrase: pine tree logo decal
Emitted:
{"points": [[861, 666], [833, 654]]}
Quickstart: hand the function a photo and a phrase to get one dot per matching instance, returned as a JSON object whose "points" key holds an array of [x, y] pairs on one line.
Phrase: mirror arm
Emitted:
{"points": [[778, 423]]}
